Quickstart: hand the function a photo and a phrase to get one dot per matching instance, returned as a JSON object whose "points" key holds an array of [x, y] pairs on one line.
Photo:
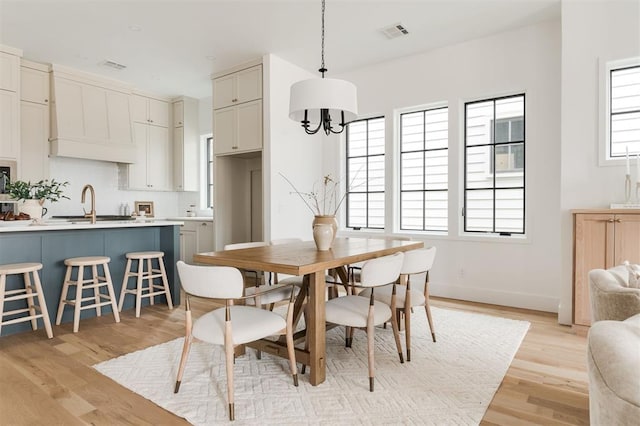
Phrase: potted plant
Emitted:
{"points": [[35, 194]]}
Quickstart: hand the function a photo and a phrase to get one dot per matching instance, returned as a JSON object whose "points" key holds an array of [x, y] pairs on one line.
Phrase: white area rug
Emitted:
{"points": [[450, 382]]}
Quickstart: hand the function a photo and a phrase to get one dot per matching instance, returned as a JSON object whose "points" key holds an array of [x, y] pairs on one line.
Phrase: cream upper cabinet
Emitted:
{"points": [[185, 144], [9, 125], [152, 169], [9, 103], [238, 87], [34, 121], [149, 110], [238, 128], [9, 72], [34, 83]]}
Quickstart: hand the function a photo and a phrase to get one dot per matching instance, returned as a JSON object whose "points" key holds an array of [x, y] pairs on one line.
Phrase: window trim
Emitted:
{"points": [[367, 192], [463, 180], [606, 67], [398, 171]]}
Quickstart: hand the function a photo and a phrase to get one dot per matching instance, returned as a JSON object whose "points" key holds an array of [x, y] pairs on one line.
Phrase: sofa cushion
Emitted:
{"points": [[621, 274], [615, 350]]}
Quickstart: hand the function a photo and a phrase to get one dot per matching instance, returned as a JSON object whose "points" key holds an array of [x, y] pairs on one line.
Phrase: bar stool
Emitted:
{"points": [[94, 283], [31, 290], [151, 290]]}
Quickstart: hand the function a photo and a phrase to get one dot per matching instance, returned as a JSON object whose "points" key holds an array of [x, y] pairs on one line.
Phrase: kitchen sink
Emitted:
{"points": [[99, 218]]}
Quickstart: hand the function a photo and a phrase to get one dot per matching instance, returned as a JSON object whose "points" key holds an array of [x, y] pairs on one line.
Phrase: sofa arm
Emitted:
{"points": [[609, 299]]}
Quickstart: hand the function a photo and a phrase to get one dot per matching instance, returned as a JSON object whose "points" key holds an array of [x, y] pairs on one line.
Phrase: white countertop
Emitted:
{"points": [[57, 225], [195, 218]]}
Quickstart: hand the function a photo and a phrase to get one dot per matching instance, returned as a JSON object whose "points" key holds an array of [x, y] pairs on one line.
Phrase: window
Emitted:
{"points": [[623, 109], [365, 173], [494, 169], [209, 172], [424, 157]]}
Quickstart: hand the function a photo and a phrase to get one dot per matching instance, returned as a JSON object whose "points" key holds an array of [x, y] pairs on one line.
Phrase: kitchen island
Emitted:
{"points": [[55, 241]]}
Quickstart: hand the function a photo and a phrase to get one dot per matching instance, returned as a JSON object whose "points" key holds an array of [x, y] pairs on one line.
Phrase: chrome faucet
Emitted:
{"points": [[92, 213]]}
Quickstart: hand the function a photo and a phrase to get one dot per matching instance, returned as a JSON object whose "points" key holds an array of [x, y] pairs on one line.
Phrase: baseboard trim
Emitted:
{"points": [[515, 300]]}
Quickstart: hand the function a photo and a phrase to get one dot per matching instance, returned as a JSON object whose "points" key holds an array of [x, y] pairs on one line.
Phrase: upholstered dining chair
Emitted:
{"points": [[232, 325], [354, 269], [365, 313], [416, 263]]}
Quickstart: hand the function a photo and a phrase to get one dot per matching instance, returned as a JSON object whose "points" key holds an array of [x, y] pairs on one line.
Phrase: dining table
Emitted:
{"points": [[304, 259]]}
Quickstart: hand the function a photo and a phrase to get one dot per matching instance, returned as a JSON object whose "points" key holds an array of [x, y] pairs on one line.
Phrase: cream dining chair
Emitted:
{"points": [[416, 263], [365, 312], [229, 326]]}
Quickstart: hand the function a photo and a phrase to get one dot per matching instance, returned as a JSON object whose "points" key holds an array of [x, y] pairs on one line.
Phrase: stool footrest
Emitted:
{"points": [[20, 311], [23, 295], [22, 319]]}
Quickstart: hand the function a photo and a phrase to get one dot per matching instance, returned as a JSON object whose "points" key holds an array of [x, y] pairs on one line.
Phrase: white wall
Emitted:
{"points": [[593, 32], [522, 273], [287, 150], [103, 176]]}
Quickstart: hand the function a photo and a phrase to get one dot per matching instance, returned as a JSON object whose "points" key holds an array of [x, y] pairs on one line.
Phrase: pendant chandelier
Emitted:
{"points": [[317, 103]]}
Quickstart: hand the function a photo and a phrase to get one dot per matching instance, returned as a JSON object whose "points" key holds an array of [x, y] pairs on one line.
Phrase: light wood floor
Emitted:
{"points": [[51, 381]]}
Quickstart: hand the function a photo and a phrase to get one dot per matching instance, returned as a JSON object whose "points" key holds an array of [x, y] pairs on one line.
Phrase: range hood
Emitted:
{"points": [[90, 117]]}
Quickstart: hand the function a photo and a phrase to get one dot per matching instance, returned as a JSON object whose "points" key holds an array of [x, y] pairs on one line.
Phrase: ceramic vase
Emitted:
{"points": [[329, 231], [33, 208]]}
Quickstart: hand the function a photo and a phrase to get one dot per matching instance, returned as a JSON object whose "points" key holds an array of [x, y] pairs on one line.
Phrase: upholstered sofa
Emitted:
{"points": [[613, 362], [610, 294]]}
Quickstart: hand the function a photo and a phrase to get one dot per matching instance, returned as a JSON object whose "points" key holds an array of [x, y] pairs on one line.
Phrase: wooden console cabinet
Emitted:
{"points": [[602, 239]]}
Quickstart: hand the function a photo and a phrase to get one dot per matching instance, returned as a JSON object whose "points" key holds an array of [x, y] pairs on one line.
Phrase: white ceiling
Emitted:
{"points": [[180, 43]]}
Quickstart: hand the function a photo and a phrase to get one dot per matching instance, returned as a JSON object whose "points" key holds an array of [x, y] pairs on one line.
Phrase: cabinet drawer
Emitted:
{"points": [[196, 225]]}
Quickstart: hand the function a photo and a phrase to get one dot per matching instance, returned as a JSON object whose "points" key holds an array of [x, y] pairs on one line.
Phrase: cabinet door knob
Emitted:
{"points": [[234, 100], [610, 220], [204, 223], [618, 220], [46, 100]]}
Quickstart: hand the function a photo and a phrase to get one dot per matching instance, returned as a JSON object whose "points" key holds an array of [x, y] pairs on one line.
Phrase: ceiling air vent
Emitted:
{"points": [[112, 64], [395, 30]]}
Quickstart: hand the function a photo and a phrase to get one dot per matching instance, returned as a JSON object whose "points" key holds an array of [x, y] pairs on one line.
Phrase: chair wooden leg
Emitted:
{"points": [[139, 286], [96, 290], [78, 303], [428, 311], [396, 336], [370, 346], [407, 333], [63, 295], [229, 355], [43, 305], [110, 292], [3, 283], [150, 281], [32, 310], [125, 281], [290, 346], [165, 283], [183, 361], [348, 336]]}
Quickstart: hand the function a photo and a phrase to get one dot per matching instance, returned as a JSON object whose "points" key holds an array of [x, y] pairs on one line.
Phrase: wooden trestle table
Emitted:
{"points": [[302, 258]]}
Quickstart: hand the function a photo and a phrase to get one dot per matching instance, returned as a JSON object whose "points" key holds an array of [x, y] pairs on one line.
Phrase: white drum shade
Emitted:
{"points": [[323, 93]]}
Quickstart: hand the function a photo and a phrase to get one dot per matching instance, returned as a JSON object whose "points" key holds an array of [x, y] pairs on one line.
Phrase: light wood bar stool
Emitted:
{"points": [[94, 283], [32, 289], [149, 274]]}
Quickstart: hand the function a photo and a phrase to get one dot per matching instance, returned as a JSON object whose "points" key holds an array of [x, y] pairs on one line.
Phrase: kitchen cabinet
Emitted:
{"points": [[34, 82], [196, 236], [149, 110], [238, 87], [9, 70], [9, 103], [34, 121], [185, 144], [152, 169], [90, 117], [9, 125], [238, 128], [602, 239]]}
